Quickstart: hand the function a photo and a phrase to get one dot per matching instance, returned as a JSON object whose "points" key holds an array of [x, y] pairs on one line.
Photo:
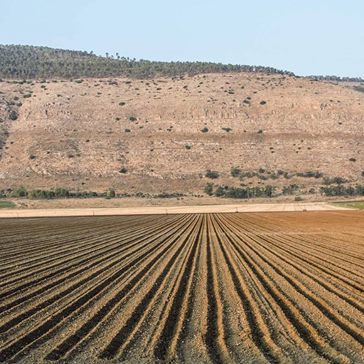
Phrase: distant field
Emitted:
{"points": [[202, 288], [6, 204], [351, 204], [165, 209]]}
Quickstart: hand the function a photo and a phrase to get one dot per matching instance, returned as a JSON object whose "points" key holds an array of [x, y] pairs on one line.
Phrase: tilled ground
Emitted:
{"points": [[202, 288]]}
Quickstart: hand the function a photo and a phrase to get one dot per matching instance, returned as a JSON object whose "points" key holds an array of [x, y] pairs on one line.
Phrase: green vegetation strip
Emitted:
{"points": [[351, 204], [6, 204]]}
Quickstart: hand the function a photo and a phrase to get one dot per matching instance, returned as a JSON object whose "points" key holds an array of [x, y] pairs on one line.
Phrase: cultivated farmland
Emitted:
{"points": [[202, 288]]}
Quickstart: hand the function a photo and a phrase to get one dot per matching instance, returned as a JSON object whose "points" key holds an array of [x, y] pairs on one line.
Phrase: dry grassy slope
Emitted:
{"points": [[76, 131]]}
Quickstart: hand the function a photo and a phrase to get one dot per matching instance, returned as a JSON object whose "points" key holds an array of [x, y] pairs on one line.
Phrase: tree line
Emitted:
{"points": [[33, 62], [271, 191], [336, 78], [30, 62]]}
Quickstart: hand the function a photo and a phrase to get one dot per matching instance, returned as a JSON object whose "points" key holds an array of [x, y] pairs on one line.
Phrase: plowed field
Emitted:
{"points": [[201, 288]]}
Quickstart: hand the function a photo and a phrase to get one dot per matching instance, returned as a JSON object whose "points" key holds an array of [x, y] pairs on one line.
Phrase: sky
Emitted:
{"points": [[321, 37]]}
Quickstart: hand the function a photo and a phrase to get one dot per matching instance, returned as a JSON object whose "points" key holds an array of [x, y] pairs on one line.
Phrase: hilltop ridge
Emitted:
{"points": [[36, 62], [31, 62]]}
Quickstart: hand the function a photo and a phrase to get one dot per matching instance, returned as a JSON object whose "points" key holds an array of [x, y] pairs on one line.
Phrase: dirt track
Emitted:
{"points": [[149, 210], [265, 287]]}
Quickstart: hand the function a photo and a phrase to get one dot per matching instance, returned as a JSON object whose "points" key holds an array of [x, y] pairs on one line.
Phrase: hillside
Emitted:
{"points": [[30, 62], [164, 134]]}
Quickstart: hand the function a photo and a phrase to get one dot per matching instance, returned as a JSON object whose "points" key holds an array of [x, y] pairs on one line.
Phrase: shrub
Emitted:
{"points": [[340, 190], [220, 192], [20, 192], [212, 174], [244, 193], [318, 174], [248, 174], [287, 175], [85, 194], [290, 190], [334, 180], [235, 171], [209, 189], [110, 193], [13, 115], [132, 118], [310, 174], [269, 191], [61, 193], [41, 194], [123, 170], [170, 195]]}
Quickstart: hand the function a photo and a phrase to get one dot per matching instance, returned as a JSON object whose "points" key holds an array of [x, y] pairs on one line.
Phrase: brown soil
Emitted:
{"points": [[268, 287]]}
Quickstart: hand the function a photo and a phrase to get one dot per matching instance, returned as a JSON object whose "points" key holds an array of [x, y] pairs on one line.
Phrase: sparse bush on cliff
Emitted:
{"points": [[209, 189], [110, 193], [235, 171], [212, 174], [334, 180], [341, 190], [13, 115]]}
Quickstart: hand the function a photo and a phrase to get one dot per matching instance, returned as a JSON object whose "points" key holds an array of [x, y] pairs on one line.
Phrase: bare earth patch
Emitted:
{"points": [[263, 207], [183, 288]]}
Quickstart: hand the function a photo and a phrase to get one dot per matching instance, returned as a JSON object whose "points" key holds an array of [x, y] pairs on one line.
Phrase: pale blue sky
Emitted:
{"points": [[303, 36]]}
